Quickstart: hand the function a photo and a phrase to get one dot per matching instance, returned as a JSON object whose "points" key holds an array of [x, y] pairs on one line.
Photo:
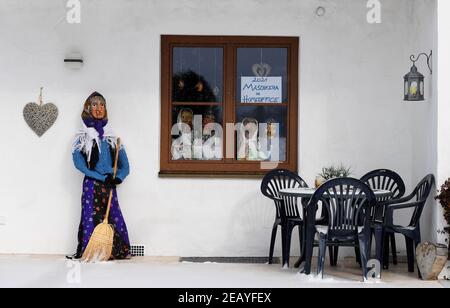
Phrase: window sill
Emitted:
{"points": [[220, 175]]}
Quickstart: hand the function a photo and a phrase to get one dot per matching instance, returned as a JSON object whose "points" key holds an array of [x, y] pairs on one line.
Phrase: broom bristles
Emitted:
{"points": [[100, 244]]}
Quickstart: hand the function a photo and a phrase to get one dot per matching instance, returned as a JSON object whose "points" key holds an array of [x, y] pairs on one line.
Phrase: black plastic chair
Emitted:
{"points": [[348, 202], [386, 180], [287, 215], [417, 201]]}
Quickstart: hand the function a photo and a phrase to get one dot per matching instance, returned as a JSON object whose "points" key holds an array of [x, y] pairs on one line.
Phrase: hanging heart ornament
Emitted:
{"points": [[216, 90], [261, 70], [40, 117]]}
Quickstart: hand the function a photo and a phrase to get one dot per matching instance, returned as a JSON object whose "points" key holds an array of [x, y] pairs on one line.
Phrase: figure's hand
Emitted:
{"points": [[111, 183], [117, 181]]}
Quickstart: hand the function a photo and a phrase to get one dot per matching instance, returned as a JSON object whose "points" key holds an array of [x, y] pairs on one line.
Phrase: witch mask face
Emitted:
{"points": [[271, 129], [250, 128], [97, 108], [208, 119], [186, 117]]}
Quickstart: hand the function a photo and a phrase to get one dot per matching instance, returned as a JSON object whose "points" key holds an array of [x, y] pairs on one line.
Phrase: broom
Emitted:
{"points": [[100, 244]]}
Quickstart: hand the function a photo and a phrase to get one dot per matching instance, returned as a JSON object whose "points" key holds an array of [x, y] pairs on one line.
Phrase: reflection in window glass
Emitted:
{"points": [[264, 136], [270, 63], [197, 74]]}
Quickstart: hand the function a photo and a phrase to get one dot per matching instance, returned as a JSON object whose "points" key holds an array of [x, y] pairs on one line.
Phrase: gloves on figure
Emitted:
{"points": [[111, 182]]}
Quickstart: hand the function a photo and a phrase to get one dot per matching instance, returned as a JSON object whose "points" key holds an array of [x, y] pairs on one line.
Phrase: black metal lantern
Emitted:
{"points": [[414, 81], [414, 85]]}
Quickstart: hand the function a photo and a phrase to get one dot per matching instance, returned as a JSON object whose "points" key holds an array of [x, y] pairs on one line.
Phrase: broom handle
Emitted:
{"points": [[111, 191]]}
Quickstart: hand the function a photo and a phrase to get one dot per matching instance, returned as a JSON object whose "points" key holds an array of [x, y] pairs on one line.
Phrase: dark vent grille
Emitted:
{"points": [[138, 250], [246, 260]]}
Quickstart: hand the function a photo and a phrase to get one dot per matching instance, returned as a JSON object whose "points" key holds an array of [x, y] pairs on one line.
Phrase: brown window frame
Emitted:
{"points": [[228, 166]]}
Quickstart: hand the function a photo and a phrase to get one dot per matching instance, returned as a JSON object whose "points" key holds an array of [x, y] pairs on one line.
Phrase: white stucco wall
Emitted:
{"points": [[425, 128], [351, 111], [444, 104]]}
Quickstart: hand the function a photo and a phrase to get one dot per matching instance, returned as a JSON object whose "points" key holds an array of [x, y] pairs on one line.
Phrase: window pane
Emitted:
{"points": [[263, 134], [196, 133], [197, 74], [270, 63]]}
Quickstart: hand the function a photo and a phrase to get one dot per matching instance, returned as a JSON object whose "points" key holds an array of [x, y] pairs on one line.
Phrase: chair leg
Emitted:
{"points": [[331, 255], [370, 245], [417, 241], [410, 253], [322, 252], [378, 234], [310, 233], [272, 241], [364, 251], [386, 251], [287, 252], [358, 256], [302, 234], [300, 237], [283, 244], [336, 255], [394, 249]]}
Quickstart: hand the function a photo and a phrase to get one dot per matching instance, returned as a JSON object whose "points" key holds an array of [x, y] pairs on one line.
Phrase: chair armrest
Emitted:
{"points": [[272, 197], [394, 207], [389, 214], [397, 201], [277, 199]]}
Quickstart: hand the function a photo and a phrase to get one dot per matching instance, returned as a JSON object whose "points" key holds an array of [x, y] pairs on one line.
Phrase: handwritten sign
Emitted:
{"points": [[261, 90]]}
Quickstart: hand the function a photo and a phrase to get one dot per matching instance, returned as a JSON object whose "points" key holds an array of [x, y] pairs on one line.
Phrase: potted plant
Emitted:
{"points": [[444, 200], [332, 172]]}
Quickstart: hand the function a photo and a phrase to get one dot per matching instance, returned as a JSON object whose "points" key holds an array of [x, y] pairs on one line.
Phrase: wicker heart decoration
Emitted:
{"points": [[261, 70], [40, 117]]}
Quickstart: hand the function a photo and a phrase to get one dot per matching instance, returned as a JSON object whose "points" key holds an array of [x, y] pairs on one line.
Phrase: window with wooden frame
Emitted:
{"points": [[229, 105]]}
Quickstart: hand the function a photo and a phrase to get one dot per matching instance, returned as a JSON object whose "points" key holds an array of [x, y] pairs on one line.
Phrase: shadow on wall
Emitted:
{"points": [[251, 228]]}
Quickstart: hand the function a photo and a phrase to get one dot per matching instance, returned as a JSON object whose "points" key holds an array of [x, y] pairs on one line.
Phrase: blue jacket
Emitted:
{"points": [[104, 165]]}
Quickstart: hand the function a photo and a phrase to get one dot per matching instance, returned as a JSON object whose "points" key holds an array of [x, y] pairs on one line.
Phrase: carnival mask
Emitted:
{"points": [[199, 86], [186, 117], [250, 127], [208, 119], [271, 129], [97, 108]]}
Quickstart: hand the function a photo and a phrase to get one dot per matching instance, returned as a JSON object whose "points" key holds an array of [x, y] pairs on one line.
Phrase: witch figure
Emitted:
{"points": [[93, 154]]}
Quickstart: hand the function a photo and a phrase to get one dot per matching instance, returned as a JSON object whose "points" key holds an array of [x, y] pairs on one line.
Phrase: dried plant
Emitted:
{"points": [[444, 200], [444, 234], [332, 172]]}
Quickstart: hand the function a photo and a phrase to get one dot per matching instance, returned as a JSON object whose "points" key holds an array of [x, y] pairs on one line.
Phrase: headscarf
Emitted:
{"points": [[87, 117]]}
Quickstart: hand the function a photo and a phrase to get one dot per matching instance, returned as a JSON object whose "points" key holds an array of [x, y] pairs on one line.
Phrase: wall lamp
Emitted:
{"points": [[414, 80]]}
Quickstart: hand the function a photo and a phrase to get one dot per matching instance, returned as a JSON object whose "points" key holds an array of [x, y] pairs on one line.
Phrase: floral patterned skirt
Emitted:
{"points": [[94, 202]]}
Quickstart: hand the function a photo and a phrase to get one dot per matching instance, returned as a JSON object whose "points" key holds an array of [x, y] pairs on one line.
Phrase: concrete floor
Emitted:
{"points": [[55, 271]]}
